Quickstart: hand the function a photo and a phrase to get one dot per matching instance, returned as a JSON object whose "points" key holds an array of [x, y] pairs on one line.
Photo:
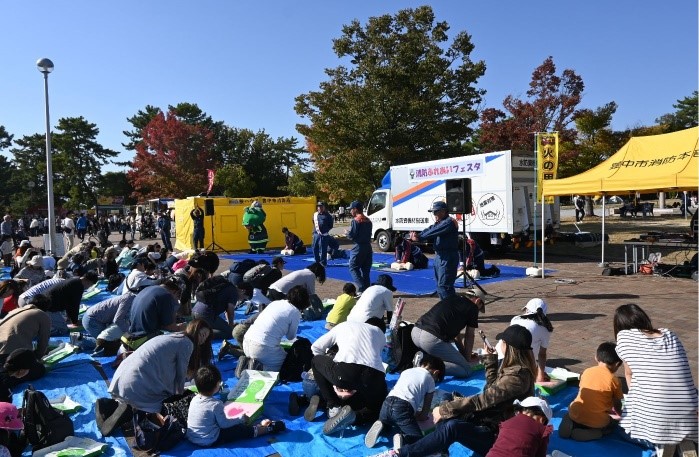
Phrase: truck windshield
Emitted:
{"points": [[377, 203]]}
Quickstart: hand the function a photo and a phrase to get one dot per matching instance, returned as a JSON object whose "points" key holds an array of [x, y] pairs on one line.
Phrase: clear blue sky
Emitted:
{"points": [[243, 62]]}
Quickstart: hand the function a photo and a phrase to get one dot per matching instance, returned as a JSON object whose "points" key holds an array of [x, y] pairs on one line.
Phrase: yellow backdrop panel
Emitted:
{"points": [[296, 213]]}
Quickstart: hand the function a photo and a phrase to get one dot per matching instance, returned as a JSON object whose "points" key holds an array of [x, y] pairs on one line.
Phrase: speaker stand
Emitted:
{"points": [[214, 245], [464, 273]]}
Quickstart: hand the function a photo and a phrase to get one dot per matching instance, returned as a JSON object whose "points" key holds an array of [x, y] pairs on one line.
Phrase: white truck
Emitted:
{"points": [[502, 194]]}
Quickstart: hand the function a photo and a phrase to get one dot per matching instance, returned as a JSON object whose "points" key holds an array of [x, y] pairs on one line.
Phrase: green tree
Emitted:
{"points": [[302, 182], [116, 184], [7, 192], [685, 115], [233, 181], [29, 165], [139, 121], [407, 94], [5, 138], [78, 161]]}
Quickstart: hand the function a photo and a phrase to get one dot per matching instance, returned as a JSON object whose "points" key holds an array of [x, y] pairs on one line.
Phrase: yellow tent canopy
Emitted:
{"points": [[645, 163]]}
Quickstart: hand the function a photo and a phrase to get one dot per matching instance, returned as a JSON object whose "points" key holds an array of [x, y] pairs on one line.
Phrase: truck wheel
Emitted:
{"points": [[384, 241]]}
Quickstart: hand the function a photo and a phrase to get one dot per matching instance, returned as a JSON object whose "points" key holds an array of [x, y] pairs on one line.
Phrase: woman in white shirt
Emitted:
{"points": [[280, 319], [536, 321]]}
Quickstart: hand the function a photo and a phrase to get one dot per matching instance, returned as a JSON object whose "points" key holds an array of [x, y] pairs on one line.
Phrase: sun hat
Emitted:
{"points": [[25, 243], [36, 261], [9, 417], [516, 336], [386, 281], [534, 304], [535, 402]]}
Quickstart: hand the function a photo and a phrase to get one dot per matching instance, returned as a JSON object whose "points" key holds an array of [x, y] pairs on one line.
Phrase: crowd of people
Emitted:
{"points": [[167, 307]]}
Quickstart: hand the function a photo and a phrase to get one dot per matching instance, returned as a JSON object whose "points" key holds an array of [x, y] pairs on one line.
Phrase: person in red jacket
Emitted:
{"points": [[527, 433]]}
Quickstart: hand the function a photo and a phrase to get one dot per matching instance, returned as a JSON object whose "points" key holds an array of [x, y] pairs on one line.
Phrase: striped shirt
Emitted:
{"points": [[661, 405]]}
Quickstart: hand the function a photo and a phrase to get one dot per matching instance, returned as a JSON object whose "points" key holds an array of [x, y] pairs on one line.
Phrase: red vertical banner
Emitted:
{"points": [[211, 174]]}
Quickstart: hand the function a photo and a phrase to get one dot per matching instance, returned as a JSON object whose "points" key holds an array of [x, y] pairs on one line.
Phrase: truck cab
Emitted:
{"points": [[380, 213]]}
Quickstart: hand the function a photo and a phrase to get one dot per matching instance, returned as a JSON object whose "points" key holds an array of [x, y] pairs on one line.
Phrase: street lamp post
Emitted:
{"points": [[45, 66]]}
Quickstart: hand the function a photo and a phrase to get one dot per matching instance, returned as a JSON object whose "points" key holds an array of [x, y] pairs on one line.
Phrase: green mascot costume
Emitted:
{"points": [[254, 220]]}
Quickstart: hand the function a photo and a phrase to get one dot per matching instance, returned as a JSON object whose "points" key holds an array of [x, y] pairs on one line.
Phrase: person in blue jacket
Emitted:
{"points": [[165, 225], [444, 236], [322, 224], [361, 255]]}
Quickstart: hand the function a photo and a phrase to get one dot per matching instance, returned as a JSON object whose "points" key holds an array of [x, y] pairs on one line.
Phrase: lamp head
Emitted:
{"points": [[44, 65]]}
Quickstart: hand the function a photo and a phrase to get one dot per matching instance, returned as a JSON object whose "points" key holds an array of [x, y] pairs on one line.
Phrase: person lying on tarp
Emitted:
{"points": [[408, 255]]}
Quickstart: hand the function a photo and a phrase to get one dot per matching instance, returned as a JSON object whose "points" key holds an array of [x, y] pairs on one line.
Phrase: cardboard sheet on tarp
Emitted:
{"points": [[296, 213]]}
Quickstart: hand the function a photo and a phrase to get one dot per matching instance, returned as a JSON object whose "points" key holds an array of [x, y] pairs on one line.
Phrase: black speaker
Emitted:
{"points": [[459, 195], [209, 207]]}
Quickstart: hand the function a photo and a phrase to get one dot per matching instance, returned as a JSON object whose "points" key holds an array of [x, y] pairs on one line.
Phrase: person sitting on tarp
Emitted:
{"points": [[292, 243], [254, 220], [408, 255]]}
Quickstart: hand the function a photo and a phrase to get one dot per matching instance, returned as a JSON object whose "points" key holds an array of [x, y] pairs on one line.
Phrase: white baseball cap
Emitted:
{"points": [[536, 402], [534, 304]]}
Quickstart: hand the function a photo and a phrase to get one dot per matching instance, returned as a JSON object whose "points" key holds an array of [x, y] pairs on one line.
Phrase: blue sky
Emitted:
{"points": [[243, 62]]}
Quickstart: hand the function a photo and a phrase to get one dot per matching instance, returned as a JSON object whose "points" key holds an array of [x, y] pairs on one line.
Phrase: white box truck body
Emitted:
{"points": [[502, 194]]}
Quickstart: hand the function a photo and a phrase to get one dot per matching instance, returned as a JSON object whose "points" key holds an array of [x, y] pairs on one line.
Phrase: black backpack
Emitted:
{"points": [[403, 349], [298, 359], [44, 425], [243, 266]]}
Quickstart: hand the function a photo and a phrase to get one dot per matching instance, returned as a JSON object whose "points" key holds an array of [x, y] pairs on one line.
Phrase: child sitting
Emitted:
{"points": [[410, 400], [207, 424], [527, 433], [588, 416], [342, 307]]}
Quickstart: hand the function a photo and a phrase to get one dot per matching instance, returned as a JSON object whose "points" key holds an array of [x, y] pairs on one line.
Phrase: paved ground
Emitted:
{"points": [[581, 301]]}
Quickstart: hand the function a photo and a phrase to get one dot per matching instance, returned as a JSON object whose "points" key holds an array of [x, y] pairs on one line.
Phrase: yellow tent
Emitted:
{"points": [[645, 163], [296, 213]]}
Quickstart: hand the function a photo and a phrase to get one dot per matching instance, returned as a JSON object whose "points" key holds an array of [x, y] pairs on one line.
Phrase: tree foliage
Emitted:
{"points": [[406, 95], [78, 161], [5, 138], [550, 105], [685, 115], [116, 184], [302, 182], [172, 158]]}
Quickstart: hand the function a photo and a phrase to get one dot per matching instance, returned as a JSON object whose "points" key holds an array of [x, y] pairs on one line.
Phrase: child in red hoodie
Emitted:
{"points": [[527, 433]]}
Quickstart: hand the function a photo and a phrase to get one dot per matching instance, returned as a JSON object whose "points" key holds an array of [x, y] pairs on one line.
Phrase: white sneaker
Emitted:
{"points": [[397, 441], [417, 359]]}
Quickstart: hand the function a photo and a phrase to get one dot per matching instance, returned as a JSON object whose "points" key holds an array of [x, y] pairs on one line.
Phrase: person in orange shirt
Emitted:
{"points": [[589, 416]]}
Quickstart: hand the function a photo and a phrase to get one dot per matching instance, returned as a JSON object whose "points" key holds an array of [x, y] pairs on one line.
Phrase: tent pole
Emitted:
{"points": [[536, 188], [604, 214], [543, 239]]}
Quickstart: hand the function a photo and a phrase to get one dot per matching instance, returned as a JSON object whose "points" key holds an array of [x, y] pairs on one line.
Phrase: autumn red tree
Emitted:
{"points": [[550, 105], [172, 159]]}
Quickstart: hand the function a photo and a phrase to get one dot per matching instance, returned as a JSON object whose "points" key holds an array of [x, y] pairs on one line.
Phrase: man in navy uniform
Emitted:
{"points": [[322, 224]]}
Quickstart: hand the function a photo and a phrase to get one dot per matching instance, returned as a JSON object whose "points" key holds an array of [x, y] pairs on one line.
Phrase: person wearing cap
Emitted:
{"points": [[444, 236], [474, 421], [12, 443], [155, 309], [376, 299], [361, 254], [451, 321], [33, 272], [322, 224], [536, 321], [293, 245], [527, 434]]}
